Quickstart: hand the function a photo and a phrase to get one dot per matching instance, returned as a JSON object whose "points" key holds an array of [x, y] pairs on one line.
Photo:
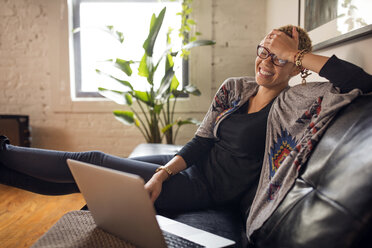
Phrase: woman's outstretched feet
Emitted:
{"points": [[3, 141]]}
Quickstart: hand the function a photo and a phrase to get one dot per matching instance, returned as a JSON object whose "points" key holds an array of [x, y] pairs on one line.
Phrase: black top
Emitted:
{"points": [[233, 163]]}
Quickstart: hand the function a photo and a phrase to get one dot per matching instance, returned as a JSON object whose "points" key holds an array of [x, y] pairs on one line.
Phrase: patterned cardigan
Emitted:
{"points": [[297, 119]]}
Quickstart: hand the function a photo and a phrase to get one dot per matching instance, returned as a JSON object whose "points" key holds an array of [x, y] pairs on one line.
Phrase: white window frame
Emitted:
{"points": [[76, 78], [59, 40]]}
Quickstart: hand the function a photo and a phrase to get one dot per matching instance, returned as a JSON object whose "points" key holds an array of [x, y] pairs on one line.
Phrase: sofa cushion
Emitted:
{"points": [[153, 149], [330, 203], [225, 221]]}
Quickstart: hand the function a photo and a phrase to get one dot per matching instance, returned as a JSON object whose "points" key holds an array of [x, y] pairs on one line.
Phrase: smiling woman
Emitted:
{"points": [[251, 146], [278, 66]]}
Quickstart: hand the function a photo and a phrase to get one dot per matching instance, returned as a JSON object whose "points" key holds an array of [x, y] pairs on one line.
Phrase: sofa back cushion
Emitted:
{"points": [[330, 204]]}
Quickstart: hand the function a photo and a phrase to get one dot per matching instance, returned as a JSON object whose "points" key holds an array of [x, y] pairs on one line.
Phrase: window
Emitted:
{"points": [[93, 46]]}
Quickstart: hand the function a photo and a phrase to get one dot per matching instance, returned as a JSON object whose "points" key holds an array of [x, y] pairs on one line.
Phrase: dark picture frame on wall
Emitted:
{"points": [[331, 22]]}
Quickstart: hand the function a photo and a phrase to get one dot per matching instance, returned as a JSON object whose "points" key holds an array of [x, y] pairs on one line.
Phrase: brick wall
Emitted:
{"points": [[238, 26], [26, 68]]}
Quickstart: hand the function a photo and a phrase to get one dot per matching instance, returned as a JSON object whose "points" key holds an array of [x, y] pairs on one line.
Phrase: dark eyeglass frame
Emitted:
{"points": [[269, 54]]}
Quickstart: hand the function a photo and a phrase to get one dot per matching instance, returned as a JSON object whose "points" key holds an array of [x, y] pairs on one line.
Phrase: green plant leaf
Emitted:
{"points": [[191, 89], [177, 93], [108, 29], [168, 51], [153, 20], [198, 43], [174, 54], [165, 83], [188, 11], [169, 62], [120, 36], [123, 82], [185, 53], [155, 26], [142, 96], [180, 123], [142, 69], [117, 34], [136, 122], [191, 22], [146, 68], [158, 108], [124, 65], [188, 121], [169, 40], [128, 98], [174, 84], [167, 127], [114, 95], [126, 117], [193, 39]]}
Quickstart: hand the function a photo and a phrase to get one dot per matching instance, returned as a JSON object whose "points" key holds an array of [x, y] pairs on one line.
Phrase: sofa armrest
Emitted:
{"points": [[154, 149]]}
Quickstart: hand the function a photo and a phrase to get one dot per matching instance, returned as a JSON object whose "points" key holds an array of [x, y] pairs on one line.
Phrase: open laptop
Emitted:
{"points": [[121, 206]]}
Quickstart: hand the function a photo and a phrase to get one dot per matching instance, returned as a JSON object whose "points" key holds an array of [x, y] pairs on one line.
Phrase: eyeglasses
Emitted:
{"points": [[264, 53]]}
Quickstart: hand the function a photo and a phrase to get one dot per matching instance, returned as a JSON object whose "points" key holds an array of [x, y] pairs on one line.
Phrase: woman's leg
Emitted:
{"points": [[46, 172], [26, 182], [48, 167]]}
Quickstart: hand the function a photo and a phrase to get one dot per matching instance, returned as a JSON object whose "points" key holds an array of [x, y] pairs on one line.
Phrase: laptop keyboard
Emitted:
{"points": [[174, 241]]}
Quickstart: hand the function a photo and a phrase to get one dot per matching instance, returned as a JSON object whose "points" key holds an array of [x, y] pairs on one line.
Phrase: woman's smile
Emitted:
{"points": [[265, 72]]}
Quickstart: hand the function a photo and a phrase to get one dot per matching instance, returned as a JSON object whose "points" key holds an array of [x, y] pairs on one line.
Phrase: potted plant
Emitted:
{"points": [[156, 104]]}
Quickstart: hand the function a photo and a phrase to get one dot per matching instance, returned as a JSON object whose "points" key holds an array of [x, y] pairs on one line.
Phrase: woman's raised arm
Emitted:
{"points": [[342, 74], [286, 48]]}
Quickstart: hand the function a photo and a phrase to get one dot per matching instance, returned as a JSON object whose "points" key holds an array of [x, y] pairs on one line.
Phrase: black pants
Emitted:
{"points": [[46, 172]]}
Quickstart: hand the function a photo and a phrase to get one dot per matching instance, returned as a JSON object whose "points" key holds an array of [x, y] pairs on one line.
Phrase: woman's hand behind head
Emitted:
{"points": [[282, 45]]}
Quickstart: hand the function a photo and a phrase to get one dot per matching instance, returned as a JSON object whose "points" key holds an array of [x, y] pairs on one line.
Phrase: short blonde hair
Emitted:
{"points": [[303, 37]]}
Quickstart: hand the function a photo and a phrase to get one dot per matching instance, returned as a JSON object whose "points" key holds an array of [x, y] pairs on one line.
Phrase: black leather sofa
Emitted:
{"points": [[330, 204]]}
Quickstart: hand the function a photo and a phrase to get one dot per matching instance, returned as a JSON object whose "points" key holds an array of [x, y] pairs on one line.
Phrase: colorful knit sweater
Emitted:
{"points": [[297, 119]]}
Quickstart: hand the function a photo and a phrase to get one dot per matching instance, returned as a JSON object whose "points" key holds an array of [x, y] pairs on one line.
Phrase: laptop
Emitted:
{"points": [[121, 206]]}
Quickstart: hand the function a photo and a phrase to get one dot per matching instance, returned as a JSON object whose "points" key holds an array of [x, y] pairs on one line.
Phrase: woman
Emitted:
{"points": [[224, 159]]}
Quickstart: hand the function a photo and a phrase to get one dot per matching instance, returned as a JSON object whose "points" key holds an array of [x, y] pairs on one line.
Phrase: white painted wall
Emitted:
{"points": [[280, 13]]}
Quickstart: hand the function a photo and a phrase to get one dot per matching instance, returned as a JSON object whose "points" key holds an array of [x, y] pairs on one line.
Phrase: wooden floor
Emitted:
{"points": [[25, 216]]}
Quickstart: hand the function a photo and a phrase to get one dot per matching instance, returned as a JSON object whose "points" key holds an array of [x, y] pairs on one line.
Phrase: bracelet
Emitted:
{"points": [[298, 59], [298, 62], [167, 170]]}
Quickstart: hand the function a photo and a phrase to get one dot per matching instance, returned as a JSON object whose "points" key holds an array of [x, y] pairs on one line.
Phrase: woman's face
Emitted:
{"points": [[272, 76]]}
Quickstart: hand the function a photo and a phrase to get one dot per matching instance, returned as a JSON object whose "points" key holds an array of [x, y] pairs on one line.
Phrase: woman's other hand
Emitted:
{"points": [[282, 45], [154, 185]]}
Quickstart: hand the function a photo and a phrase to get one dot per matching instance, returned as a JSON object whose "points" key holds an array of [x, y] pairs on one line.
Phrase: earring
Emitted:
{"points": [[304, 74]]}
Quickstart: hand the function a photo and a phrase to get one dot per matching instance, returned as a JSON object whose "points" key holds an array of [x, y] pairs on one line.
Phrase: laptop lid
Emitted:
{"points": [[119, 203]]}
